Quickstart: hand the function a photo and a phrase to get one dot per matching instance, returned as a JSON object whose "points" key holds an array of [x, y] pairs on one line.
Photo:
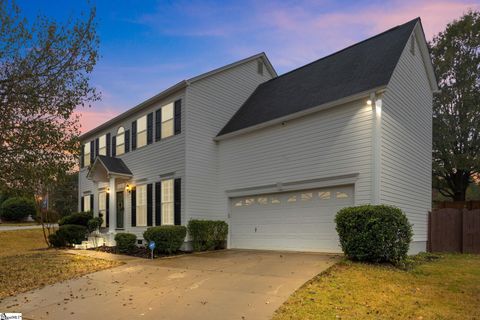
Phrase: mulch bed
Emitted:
{"points": [[140, 252]]}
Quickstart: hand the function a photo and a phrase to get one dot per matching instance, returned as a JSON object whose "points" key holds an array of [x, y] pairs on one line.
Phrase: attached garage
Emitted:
{"points": [[299, 220]]}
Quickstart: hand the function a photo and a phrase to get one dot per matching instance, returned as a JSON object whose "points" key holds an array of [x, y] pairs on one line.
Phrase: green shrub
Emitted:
{"points": [[72, 233], [168, 239], [57, 240], [79, 218], [17, 209], [94, 223], [374, 233], [207, 234], [126, 242]]}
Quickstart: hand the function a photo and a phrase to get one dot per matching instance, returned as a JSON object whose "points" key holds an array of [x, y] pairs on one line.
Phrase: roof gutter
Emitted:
{"points": [[325, 106]]}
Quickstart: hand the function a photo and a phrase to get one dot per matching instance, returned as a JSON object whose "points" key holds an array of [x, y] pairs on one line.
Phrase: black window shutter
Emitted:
{"points": [[178, 117], [149, 205], [134, 135], [177, 196], [107, 138], [97, 147], [134, 207], [114, 146], [82, 153], [158, 203], [82, 204], [150, 128], [158, 124], [91, 203], [92, 150], [127, 141], [107, 210]]}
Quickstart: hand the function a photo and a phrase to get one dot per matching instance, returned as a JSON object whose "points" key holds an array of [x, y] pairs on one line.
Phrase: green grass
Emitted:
{"points": [[443, 288], [26, 263]]}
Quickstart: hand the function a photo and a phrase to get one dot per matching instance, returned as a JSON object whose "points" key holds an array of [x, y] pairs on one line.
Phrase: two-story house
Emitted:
{"points": [[274, 156]]}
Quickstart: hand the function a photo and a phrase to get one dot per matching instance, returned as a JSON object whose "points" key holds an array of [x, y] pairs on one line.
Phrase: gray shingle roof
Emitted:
{"points": [[114, 165], [361, 67]]}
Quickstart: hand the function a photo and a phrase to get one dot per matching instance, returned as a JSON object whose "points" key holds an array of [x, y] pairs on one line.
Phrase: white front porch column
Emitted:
{"points": [[112, 206], [96, 199]]}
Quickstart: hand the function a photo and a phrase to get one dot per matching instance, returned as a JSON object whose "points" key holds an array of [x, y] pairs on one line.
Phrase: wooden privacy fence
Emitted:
{"points": [[454, 230]]}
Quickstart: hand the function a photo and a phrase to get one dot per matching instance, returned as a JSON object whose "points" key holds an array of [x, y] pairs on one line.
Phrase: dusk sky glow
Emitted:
{"points": [[147, 46]]}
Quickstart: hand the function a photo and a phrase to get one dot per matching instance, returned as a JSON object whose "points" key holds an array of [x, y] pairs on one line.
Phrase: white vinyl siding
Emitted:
{"points": [[142, 131], [102, 145], [86, 154], [102, 207], [406, 144], [167, 120], [211, 103], [141, 206], [120, 141], [167, 202]]}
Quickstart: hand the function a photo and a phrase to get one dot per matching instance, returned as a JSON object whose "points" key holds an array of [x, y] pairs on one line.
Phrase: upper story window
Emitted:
{"points": [[86, 154], [102, 145], [120, 141], [167, 120], [142, 131]]}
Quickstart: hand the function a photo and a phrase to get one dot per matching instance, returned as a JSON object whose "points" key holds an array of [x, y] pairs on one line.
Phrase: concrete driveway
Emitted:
{"points": [[230, 284]]}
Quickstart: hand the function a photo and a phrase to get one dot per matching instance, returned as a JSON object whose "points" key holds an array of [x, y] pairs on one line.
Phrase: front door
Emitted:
{"points": [[120, 210]]}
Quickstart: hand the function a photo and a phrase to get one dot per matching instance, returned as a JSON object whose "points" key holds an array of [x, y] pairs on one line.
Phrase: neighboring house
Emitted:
{"points": [[274, 156]]}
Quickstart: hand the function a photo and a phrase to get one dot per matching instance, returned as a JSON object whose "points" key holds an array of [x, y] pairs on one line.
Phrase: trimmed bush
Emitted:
{"points": [[94, 224], [126, 242], [56, 241], [207, 234], [17, 209], [168, 239], [374, 233], [72, 233], [79, 218]]}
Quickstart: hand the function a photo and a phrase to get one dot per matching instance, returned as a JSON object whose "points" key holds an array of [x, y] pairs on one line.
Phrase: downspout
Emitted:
{"points": [[376, 103]]}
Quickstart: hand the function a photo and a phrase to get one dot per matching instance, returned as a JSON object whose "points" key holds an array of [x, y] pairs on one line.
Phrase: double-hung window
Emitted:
{"points": [[102, 207], [141, 206], [167, 202], [142, 131], [120, 141], [167, 120], [86, 154], [102, 145]]}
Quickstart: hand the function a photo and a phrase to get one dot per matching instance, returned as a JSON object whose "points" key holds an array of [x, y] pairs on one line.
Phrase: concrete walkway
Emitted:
{"points": [[13, 228], [230, 284]]}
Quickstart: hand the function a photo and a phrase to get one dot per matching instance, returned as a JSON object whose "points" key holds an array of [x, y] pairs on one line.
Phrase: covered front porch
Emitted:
{"points": [[112, 184]]}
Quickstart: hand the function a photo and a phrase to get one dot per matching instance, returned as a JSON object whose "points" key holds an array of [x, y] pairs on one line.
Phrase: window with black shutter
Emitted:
{"points": [[158, 203], [127, 141], [114, 146], [97, 146], [177, 192], [82, 204], [134, 207], [108, 144], [92, 151], [91, 203], [178, 117], [107, 210], [149, 205], [158, 124], [150, 128], [134, 135]]}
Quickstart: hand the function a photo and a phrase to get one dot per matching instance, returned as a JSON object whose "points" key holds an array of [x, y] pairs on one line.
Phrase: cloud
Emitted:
{"points": [[91, 118]]}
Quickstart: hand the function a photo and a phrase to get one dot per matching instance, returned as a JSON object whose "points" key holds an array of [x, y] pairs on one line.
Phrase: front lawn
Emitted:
{"points": [[26, 263], [443, 288]]}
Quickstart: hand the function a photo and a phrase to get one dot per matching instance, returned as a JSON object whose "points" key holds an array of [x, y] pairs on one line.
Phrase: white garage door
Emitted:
{"points": [[301, 220]]}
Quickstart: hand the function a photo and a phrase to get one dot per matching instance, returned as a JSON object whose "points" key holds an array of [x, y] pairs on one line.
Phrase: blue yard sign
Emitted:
{"points": [[151, 246]]}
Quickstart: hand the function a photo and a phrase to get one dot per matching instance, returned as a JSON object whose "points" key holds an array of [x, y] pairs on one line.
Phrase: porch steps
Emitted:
{"points": [[92, 242]]}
